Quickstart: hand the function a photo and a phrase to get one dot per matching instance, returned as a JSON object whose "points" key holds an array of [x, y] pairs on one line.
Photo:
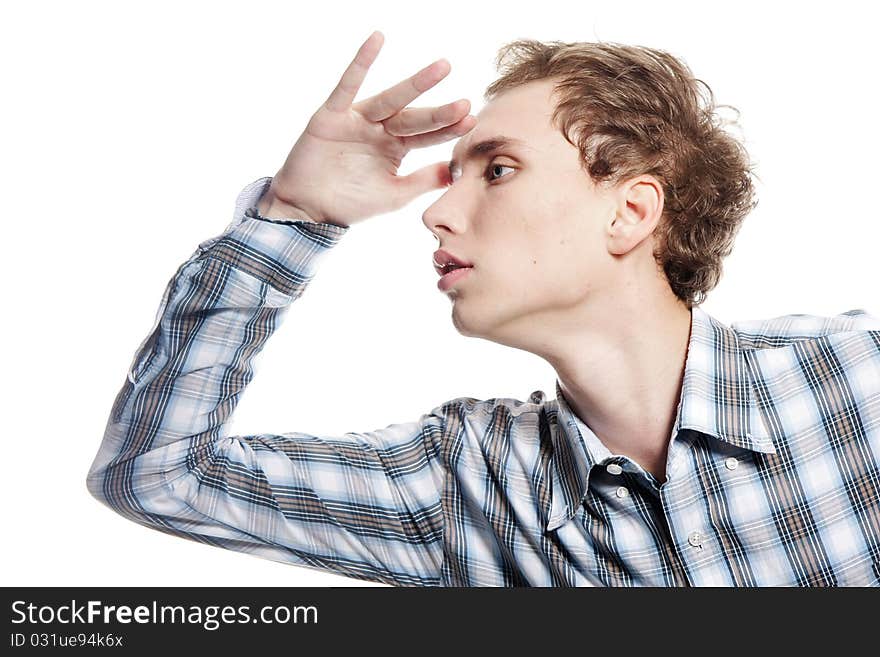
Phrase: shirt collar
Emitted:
{"points": [[717, 399]]}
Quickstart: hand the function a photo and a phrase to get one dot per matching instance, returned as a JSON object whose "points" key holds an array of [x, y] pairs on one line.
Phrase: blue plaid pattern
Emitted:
{"points": [[772, 469]]}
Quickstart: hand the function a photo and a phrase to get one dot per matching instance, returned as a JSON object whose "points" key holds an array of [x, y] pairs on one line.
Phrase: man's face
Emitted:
{"points": [[531, 222]]}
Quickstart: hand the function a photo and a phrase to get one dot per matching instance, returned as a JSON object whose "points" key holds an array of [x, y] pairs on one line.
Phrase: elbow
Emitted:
{"points": [[114, 486], [124, 488], [97, 481]]}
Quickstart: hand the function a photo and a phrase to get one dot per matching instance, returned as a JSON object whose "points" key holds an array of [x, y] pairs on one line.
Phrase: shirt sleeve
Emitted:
{"points": [[365, 505], [862, 320]]}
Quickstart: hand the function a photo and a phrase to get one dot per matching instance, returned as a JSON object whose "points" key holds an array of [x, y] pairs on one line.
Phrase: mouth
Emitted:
{"points": [[452, 277], [450, 268], [444, 262]]}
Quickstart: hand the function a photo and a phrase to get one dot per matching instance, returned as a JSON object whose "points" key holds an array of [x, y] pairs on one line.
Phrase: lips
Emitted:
{"points": [[444, 262], [450, 280]]}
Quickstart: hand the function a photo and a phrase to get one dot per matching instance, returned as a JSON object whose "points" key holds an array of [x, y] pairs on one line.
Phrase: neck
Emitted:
{"points": [[622, 376]]}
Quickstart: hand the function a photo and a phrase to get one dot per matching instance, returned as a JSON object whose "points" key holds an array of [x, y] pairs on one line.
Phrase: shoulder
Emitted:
{"points": [[472, 405], [857, 324], [487, 422], [801, 349], [499, 440]]}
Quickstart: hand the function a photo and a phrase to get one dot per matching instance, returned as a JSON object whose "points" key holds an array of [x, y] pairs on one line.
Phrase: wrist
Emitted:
{"points": [[271, 207]]}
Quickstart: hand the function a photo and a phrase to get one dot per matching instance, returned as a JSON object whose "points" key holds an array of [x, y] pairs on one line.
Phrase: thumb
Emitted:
{"points": [[428, 178]]}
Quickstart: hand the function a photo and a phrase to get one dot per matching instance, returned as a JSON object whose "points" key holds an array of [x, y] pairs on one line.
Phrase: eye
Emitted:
{"points": [[491, 168]]}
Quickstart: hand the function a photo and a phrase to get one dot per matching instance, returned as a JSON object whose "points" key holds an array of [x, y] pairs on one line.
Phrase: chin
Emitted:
{"points": [[461, 324]]}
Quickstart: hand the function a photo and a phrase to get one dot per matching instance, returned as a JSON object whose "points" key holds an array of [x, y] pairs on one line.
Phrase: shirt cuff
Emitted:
{"points": [[283, 253]]}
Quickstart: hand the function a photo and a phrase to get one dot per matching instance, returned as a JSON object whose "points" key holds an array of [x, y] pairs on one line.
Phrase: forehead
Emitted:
{"points": [[523, 113]]}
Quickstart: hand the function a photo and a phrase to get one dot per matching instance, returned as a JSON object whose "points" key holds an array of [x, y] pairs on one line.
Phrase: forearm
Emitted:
{"points": [[365, 504], [218, 310]]}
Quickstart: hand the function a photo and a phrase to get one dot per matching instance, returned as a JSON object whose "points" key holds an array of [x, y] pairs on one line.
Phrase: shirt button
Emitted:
{"points": [[695, 539], [613, 468], [622, 492], [731, 463]]}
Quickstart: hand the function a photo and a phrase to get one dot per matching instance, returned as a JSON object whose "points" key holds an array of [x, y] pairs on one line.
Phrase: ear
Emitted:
{"points": [[636, 214]]}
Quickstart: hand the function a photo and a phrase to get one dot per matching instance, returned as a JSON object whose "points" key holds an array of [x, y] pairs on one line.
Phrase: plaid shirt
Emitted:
{"points": [[772, 468]]}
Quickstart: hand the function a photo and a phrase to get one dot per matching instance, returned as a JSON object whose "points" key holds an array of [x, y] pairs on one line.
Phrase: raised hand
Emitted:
{"points": [[343, 168]]}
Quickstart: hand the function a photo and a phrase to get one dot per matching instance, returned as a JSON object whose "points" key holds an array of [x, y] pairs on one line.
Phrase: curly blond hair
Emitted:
{"points": [[633, 110]]}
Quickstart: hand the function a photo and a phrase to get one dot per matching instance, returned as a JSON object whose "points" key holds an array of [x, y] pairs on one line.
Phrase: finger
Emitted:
{"points": [[343, 95], [416, 120], [426, 179], [389, 102], [439, 136]]}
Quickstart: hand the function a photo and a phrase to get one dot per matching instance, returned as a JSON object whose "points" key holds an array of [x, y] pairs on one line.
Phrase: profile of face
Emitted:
{"points": [[549, 248]]}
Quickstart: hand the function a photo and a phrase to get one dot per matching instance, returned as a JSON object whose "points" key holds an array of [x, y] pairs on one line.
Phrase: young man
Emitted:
{"points": [[590, 207]]}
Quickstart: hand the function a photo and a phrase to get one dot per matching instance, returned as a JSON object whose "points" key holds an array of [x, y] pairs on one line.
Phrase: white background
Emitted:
{"points": [[128, 130]]}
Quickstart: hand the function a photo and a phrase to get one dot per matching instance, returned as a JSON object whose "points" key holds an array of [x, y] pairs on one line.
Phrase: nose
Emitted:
{"points": [[441, 215]]}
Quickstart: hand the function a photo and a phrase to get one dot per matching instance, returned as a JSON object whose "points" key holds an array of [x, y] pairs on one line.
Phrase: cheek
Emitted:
{"points": [[571, 272]]}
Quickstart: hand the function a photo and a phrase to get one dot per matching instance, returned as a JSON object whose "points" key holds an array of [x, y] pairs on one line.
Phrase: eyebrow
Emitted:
{"points": [[484, 148]]}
